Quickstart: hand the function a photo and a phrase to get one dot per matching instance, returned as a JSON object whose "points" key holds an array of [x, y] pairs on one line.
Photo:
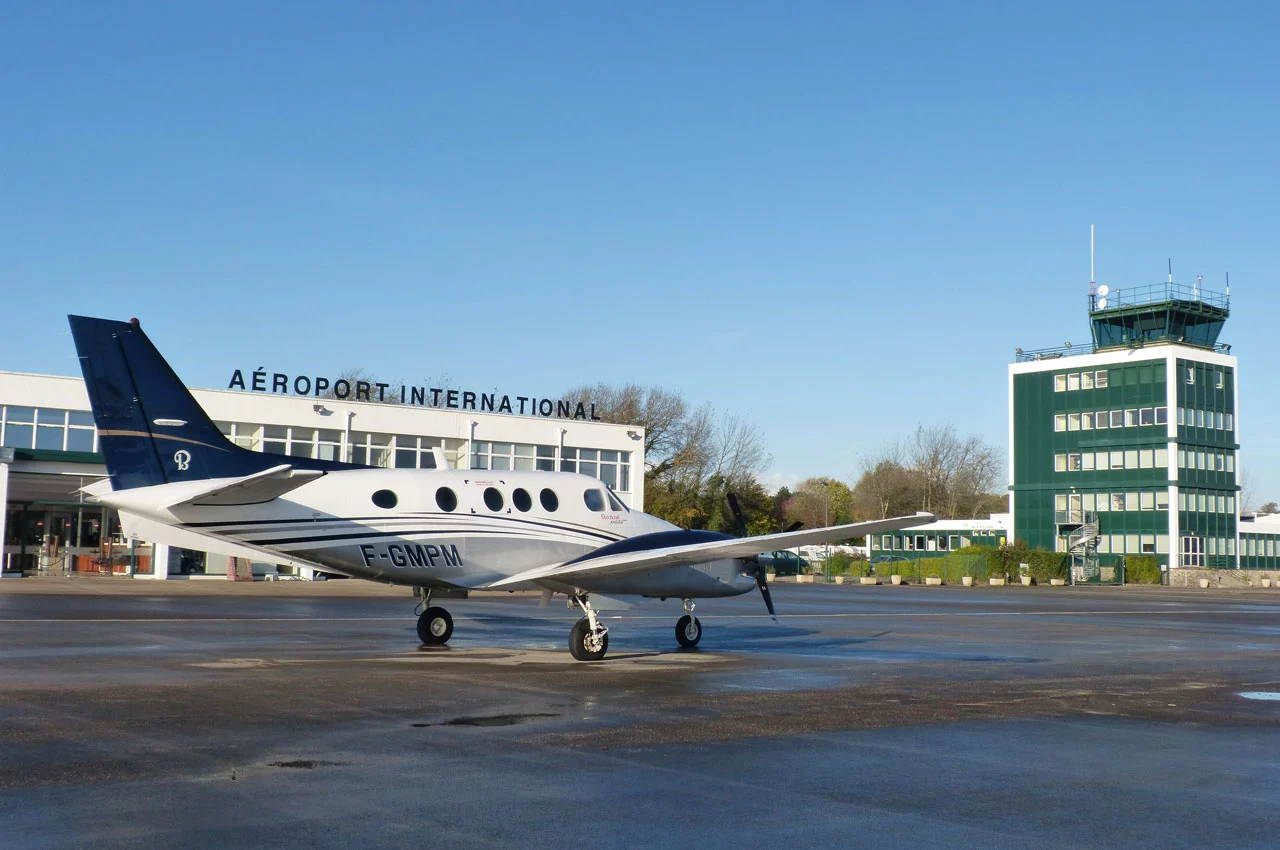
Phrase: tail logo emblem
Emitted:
{"points": [[183, 459]]}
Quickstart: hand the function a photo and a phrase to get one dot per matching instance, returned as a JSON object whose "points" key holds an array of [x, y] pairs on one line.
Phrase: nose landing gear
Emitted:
{"points": [[688, 627], [588, 640]]}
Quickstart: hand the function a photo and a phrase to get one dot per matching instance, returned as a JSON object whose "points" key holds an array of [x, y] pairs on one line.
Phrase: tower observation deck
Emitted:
{"points": [[1163, 312]]}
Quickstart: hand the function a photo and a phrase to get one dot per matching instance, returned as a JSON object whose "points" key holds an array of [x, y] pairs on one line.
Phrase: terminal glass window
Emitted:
{"points": [[80, 431], [275, 440], [1059, 383], [1086, 380], [1100, 419], [51, 429], [1100, 378], [1060, 422], [1073, 422], [19, 427], [611, 467], [302, 442], [1073, 381], [329, 444]]}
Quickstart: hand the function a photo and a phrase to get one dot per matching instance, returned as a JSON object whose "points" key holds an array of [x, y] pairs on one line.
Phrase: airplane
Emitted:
{"points": [[174, 478]]}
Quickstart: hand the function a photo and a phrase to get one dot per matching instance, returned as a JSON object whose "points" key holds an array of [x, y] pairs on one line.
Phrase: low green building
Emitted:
{"points": [[937, 539]]}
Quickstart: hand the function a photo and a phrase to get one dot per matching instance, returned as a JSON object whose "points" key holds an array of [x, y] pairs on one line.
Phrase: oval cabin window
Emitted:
{"points": [[520, 498], [549, 501], [492, 499], [447, 499], [594, 500], [385, 499]]}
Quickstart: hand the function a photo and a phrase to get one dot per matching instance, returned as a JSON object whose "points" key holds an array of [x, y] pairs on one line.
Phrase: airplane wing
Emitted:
{"points": [[700, 553], [251, 489]]}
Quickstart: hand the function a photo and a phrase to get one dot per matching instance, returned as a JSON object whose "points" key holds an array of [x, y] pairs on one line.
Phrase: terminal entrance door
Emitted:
{"points": [[70, 538]]}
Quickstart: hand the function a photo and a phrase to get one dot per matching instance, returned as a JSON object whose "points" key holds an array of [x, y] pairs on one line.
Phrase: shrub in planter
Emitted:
{"points": [[1141, 569]]}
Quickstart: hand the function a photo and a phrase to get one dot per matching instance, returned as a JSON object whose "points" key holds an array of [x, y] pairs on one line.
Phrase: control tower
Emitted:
{"points": [[1127, 446]]}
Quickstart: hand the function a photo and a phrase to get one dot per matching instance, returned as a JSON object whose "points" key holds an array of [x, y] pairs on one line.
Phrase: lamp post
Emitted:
{"points": [[826, 521]]}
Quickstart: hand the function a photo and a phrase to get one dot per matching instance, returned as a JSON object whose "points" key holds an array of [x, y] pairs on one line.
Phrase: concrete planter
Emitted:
{"points": [[1204, 583], [1026, 581], [967, 581], [839, 579], [770, 576], [804, 579], [1057, 582], [996, 582], [869, 580], [933, 581], [1266, 582], [895, 579]]}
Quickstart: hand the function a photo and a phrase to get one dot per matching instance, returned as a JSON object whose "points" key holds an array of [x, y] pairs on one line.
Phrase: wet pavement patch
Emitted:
{"points": [[308, 764], [1273, 696], [491, 720]]}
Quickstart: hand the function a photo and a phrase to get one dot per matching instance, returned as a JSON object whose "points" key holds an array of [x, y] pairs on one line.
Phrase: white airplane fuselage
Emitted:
{"points": [[337, 522]]}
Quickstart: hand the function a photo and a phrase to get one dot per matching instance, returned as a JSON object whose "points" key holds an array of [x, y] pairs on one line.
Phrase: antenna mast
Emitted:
{"points": [[1092, 280], [1171, 269]]}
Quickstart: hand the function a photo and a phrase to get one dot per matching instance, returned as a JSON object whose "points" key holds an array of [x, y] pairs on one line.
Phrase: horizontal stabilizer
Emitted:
{"points": [[251, 489], [700, 553]]}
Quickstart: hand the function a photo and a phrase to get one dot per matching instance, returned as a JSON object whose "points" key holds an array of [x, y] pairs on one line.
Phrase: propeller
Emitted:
{"points": [[758, 572]]}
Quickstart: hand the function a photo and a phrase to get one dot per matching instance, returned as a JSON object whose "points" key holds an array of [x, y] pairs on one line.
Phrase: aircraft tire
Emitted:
{"points": [[435, 626], [578, 642], [688, 631]]}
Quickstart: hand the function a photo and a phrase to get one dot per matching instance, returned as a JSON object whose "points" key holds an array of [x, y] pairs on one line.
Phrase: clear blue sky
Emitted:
{"points": [[837, 219]]}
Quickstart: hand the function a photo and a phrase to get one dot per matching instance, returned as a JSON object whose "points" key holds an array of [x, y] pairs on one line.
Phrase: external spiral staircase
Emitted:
{"points": [[1081, 530]]}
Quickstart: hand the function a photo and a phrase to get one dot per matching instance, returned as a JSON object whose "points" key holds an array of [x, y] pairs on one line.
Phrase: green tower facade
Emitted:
{"points": [[1128, 446]]}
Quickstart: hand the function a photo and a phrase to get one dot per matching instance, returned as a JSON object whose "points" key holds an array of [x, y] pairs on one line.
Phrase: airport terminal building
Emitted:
{"points": [[50, 451]]}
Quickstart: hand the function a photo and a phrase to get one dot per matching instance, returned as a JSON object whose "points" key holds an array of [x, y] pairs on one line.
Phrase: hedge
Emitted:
{"points": [[1142, 569]]}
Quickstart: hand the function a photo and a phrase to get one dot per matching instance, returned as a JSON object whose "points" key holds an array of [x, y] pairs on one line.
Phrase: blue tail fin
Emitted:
{"points": [[150, 429]]}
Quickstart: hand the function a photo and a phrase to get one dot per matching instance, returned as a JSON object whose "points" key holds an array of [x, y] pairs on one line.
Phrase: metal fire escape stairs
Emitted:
{"points": [[1082, 539]]}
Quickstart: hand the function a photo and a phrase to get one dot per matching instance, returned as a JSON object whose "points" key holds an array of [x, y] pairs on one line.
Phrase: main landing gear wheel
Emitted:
{"points": [[688, 631], [586, 644], [435, 626]]}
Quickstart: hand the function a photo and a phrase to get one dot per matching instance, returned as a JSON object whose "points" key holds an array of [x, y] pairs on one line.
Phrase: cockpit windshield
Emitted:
{"points": [[614, 502]]}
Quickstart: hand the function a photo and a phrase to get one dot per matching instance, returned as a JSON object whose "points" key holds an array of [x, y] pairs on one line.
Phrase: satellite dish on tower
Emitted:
{"points": [[1102, 303], [1103, 290]]}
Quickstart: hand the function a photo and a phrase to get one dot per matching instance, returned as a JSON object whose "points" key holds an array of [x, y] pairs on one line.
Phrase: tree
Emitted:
{"points": [[820, 502], [1269, 508], [388, 393], [693, 456], [1248, 497], [934, 469]]}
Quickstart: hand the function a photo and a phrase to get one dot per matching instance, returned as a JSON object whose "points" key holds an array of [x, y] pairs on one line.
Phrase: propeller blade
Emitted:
{"points": [[764, 591], [795, 526], [736, 510]]}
